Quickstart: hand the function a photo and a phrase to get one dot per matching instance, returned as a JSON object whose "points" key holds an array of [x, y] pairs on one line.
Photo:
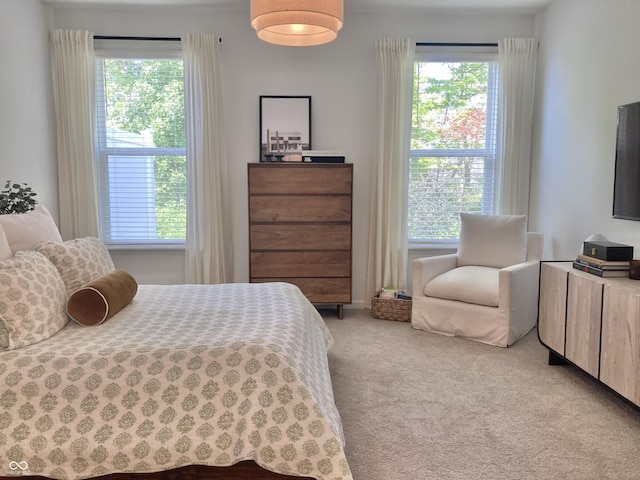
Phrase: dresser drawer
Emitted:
{"points": [[300, 237], [304, 208], [299, 179], [300, 264], [320, 290]]}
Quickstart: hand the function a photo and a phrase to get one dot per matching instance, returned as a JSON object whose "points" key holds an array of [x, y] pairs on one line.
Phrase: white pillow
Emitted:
{"points": [[492, 240], [79, 261], [5, 249], [32, 300], [24, 230]]}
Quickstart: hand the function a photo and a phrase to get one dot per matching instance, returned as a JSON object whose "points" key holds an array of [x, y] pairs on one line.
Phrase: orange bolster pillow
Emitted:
{"points": [[102, 298]]}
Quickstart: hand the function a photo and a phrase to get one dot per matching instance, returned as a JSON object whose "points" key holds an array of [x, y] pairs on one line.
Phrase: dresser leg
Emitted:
{"points": [[340, 311]]}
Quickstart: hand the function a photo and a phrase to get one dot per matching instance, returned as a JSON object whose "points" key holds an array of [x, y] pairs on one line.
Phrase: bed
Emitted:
{"points": [[185, 381]]}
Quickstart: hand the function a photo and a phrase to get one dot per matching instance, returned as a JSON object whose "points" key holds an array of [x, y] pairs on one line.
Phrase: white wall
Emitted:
{"points": [[26, 106], [589, 63], [339, 76]]}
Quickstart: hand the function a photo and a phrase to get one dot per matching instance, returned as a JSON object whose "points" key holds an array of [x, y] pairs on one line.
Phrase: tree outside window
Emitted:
{"points": [[452, 158], [141, 150]]}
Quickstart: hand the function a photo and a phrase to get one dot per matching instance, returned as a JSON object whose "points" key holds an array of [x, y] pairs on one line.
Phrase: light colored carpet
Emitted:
{"points": [[419, 406]]}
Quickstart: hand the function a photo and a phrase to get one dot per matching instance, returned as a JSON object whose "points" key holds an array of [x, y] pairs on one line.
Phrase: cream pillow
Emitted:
{"points": [[469, 284], [5, 249], [79, 261], [32, 300], [492, 240], [24, 230]]}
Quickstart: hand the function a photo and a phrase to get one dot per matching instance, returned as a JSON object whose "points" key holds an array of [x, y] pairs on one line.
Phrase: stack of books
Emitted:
{"points": [[602, 268], [605, 259]]}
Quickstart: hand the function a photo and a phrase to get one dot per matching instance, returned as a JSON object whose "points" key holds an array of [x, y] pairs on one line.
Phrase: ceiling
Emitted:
{"points": [[529, 6]]}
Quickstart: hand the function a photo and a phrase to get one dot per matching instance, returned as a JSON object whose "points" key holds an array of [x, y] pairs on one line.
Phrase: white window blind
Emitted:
{"points": [[453, 143], [140, 146]]}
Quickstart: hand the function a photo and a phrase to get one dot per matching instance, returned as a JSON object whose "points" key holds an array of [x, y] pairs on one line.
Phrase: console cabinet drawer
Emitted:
{"points": [[584, 310], [552, 306], [620, 361]]}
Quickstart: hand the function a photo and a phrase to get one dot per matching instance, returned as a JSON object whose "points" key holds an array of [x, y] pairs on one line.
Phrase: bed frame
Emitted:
{"points": [[247, 470]]}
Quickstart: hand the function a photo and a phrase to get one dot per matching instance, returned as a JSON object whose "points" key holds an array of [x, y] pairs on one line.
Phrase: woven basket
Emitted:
{"points": [[394, 309]]}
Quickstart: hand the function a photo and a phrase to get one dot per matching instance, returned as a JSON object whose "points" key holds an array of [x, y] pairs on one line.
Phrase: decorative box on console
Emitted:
{"points": [[609, 251]]}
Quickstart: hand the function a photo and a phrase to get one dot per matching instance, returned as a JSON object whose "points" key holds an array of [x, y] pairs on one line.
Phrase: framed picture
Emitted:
{"points": [[285, 128]]}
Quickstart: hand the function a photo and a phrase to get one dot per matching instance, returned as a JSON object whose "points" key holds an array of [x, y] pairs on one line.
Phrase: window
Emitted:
{"points": [[141, 151], [453, 143]]}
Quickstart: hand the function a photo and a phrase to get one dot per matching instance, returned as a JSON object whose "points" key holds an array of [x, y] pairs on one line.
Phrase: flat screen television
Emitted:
{"points": [[626, 184]]}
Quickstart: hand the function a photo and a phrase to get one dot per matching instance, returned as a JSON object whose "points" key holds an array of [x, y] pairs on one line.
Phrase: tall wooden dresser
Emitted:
{"points": [[300, 228]]}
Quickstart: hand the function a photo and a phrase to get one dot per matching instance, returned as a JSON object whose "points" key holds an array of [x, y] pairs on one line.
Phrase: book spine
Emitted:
{"points": [[589, 259], [587, 268]]}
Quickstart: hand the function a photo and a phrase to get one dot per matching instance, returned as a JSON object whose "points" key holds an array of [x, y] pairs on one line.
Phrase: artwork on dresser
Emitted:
{"points": [[285, 128]]}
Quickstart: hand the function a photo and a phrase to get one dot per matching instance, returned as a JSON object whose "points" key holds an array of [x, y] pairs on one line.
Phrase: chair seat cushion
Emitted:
{"points": [[469, 284]]}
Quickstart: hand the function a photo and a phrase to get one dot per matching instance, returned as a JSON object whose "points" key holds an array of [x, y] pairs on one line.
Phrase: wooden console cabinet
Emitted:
{"points": [[300, 228], [594, 323]]}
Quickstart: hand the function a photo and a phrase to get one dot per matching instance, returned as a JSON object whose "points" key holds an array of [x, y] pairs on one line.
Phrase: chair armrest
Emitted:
{"points": [[427, 268], [518, 285]]}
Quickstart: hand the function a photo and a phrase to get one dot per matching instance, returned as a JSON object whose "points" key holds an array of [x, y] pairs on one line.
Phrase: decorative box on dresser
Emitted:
{"points": [[300, 228], [594, 323]]}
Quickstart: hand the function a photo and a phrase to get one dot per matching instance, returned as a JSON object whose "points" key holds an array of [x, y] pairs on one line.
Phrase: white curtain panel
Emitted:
{"points": [[517, 75], [208, 256], [74, 68], [387, 258]]}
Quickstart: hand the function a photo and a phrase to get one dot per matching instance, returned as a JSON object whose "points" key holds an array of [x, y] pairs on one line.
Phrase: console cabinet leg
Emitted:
{"points": [[555, 359]]}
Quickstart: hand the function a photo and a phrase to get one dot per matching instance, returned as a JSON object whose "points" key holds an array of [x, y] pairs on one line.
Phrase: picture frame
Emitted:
{"points": [[285, 127]]}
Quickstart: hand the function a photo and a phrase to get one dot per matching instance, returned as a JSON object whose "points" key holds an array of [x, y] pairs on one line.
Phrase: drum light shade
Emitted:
{"points": [[297, 23]]}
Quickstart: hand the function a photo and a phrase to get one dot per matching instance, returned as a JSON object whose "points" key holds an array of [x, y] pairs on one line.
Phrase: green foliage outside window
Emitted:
{"points": [[148, 96], [449, 123], [449, 105]]}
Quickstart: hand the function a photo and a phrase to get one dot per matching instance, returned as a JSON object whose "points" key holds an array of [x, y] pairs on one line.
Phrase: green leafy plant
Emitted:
{"points": [[16, 198]]}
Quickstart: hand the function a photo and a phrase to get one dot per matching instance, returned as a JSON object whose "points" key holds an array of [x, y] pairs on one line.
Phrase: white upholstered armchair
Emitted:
{"points": [[488, 290]]}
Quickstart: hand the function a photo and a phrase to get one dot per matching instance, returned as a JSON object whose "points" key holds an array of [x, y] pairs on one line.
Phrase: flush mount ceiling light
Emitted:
{"points": [[297, 23]]}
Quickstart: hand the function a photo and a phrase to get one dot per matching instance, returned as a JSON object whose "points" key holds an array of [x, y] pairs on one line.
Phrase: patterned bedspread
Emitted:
{"points": [[185, 374]]}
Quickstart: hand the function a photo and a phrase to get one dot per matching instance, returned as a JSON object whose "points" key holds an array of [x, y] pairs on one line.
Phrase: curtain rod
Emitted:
{"points": [[155, 39], [438, 44]]}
